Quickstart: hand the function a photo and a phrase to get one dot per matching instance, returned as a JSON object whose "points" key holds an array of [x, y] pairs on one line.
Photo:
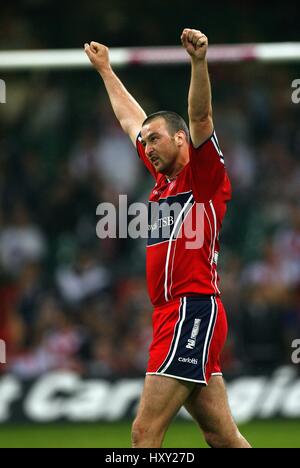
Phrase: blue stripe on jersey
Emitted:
{"points": [[163, 215]]}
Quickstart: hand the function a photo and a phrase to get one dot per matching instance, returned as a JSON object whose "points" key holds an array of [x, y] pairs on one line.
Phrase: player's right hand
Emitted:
{"points": [[195, 43], [98, 55]]}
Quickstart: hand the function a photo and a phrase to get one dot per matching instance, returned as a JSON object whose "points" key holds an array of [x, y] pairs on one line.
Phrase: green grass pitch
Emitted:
{"points": [[274, 433]]}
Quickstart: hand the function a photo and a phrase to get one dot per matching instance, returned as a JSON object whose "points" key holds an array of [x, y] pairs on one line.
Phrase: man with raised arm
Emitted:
{"points": [[189, 320]]}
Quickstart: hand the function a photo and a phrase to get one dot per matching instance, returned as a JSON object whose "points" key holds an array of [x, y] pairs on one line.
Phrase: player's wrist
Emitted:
{"points": [[104, 70], [198, 60]]}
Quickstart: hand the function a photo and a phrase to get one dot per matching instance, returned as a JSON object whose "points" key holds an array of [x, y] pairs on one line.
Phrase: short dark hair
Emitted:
{"points": [[174, 122]]}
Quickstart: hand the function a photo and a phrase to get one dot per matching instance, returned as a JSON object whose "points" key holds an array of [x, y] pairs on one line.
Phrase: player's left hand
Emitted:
{"points": [[195, 43]]}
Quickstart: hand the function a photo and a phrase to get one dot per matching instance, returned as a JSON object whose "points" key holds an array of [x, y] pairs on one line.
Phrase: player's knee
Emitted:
{"points": [[226, 440], [145, 435], [218, 440], [137, 432]]}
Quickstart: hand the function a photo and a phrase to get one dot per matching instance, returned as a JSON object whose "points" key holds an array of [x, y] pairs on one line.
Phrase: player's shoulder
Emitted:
{"points": [[212, 139], [210, 148]]}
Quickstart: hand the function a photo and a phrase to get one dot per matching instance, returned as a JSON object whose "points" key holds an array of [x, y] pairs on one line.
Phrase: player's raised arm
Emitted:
{"points": [[127, 110], [199, 100]]}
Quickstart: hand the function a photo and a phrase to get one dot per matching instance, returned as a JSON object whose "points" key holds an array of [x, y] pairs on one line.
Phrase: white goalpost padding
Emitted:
{"points": [[76, 58]]}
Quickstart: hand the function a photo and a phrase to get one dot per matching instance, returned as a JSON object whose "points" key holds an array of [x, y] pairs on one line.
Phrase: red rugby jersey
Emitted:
{"points": [[185, 219]]}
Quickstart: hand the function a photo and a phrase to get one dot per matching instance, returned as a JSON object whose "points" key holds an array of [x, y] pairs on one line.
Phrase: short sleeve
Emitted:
{"points": [[207, 169], [141, 152]]}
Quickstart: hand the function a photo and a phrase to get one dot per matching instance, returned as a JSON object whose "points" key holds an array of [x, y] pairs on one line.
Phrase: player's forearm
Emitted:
{"points": [[125, 107], [199, 100]]}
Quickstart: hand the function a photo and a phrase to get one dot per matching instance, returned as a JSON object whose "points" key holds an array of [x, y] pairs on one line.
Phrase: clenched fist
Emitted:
{"points": [[98, 55], [195, 43]]}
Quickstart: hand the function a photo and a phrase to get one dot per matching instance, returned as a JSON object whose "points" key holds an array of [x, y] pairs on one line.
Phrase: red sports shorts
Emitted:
{"points": [[188, 336]]}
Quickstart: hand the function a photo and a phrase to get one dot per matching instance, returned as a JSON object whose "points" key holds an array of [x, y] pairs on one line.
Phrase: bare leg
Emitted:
{"points": [[210, 409], [161, 399]]}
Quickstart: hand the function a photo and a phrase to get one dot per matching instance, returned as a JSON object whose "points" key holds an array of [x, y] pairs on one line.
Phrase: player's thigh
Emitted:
{"points": [[161, 399], [210, 408]]}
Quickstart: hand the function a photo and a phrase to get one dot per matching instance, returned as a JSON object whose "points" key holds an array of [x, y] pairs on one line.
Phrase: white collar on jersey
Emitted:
{"points": [[171, 180]]}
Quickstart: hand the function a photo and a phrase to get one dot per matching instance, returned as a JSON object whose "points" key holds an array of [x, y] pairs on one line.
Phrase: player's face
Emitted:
{"points": [[160, 146]]}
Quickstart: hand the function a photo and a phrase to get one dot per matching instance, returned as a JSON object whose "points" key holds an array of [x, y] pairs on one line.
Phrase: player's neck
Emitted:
{"points": [[180, 163]]}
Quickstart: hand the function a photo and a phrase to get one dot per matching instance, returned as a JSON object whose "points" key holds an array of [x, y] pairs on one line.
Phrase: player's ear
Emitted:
{"points": [[180, 138]]}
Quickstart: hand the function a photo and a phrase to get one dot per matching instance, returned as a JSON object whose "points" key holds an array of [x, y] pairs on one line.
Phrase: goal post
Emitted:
{"points": [[121, 57]]}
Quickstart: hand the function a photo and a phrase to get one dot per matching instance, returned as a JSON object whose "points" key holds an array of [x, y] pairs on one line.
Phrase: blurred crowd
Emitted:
{"points": [[69, 300]]}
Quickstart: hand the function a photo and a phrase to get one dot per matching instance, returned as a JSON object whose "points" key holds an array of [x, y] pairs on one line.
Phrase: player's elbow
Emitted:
{"points": [[132, 126], [201, 130], [201, 118], [125, 124]]}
